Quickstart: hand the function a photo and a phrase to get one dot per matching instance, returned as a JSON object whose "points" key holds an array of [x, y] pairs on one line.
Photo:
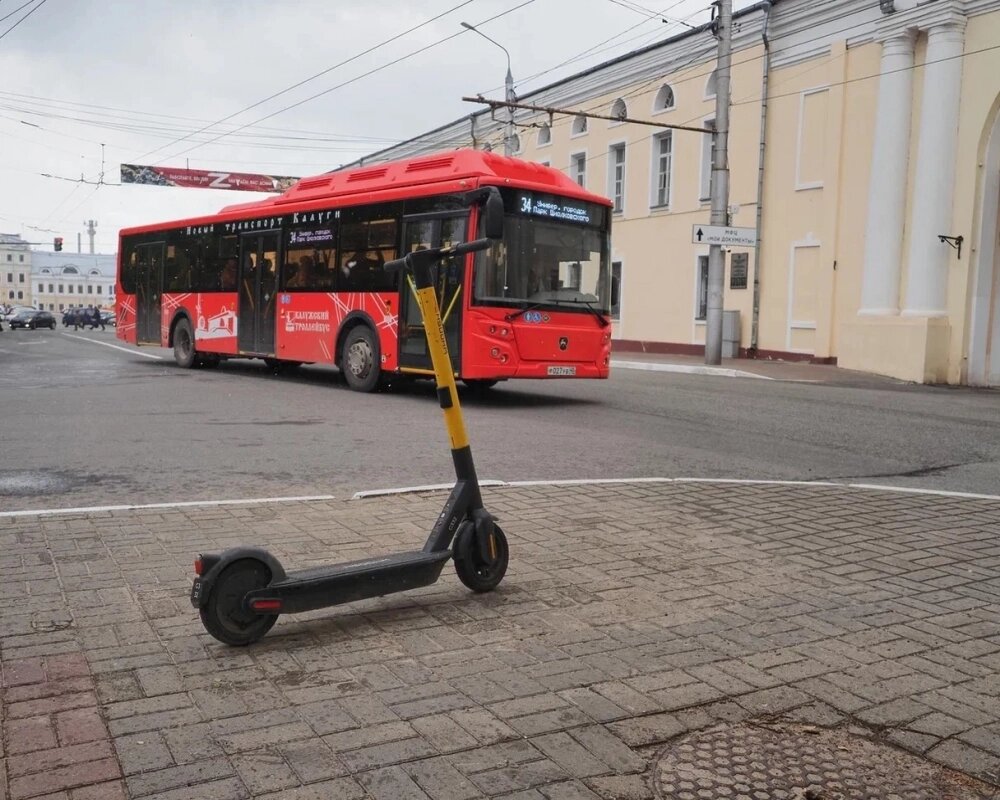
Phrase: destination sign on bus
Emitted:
{"points": [[310, 236], [553, 207]]}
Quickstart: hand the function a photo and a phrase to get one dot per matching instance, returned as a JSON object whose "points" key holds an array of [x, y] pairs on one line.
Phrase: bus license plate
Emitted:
{"points": [[562, 370]]}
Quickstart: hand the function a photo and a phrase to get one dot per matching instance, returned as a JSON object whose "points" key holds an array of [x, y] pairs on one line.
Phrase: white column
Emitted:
{"points": [[887, 184], [933, 189]]}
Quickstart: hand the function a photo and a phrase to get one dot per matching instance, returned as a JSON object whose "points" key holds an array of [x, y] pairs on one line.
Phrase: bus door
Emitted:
{"points": [[258, 282], [422, 231], [148, 287]]}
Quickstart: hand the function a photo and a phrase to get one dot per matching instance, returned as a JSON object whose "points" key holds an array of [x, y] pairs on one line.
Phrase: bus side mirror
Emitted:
{"points": [[493, 215]]}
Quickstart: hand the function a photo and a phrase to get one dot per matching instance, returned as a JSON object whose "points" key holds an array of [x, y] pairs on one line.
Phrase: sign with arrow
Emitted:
{"points": [[724, 235]]}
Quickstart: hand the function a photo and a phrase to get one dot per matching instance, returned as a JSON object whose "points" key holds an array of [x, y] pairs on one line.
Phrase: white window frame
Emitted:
{"points": [[616, 122], [673, 94], [705, 175], [538, 139], [801, 185], [573, 132], [572, 167], [613, 147], [711, 81], [654, 171]]}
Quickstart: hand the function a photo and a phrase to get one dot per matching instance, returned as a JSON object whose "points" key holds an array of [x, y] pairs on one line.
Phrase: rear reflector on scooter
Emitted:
{"points": [[199, 566], [265, 605]]}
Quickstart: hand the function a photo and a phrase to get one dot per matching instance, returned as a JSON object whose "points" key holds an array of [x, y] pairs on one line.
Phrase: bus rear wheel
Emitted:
{"points": [[359, 359], [184, 352]]}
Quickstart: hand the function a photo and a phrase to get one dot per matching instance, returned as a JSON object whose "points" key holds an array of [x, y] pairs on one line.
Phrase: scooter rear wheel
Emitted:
{"points": [[475, 572], [224, 616]]}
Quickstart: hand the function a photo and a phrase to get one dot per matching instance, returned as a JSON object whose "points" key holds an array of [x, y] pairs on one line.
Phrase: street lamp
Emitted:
{"points": [[508, 139]]}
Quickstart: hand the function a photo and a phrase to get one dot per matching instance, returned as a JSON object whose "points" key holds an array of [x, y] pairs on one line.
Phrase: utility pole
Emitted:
{"points": [[91, 232], [719, 184]]}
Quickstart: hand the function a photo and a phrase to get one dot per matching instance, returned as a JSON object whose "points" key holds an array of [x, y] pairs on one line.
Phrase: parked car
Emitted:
{"points": [[109, 318], [29, 318]]}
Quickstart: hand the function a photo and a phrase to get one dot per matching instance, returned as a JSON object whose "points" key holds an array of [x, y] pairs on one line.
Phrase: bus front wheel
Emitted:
{"points": [[359, 359], [184, 353]]}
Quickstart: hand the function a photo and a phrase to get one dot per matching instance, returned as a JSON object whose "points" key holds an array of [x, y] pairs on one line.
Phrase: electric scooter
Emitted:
{"points": [[241, 592]]}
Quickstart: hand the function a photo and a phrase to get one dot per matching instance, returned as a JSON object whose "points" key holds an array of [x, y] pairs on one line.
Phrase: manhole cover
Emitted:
{"points": [[796, 762]]}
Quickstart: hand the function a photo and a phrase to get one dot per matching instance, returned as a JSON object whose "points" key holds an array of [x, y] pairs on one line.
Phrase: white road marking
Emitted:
{"points": [[747, 481], [133, 351], [187, 504]]}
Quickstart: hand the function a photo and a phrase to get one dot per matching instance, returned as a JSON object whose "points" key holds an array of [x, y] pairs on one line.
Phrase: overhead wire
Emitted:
{"points": [[314, 77], [40, 4]]}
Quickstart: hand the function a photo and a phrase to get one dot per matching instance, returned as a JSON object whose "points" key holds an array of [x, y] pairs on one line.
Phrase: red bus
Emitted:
{"points": [[298, 278]]}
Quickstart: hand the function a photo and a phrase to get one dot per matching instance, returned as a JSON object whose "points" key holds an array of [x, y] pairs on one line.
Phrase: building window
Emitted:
{"points": [[79, 289], [50, 288], [20, 258], [573, 276], [663, 152], [710, 84], [578, 168], [41, 288], [664, 99], [619, 110], [20, 277], [544, 135], [702, 287], [579, 125], [20, 295], [98, 289], [60, 288], [10, 295], [10, 257], [515, 144], [616, 289], [10, 276], [70, 287], [706, 161], [616, 176]]}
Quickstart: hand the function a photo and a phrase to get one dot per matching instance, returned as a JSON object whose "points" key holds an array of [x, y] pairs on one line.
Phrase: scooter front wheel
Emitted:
{"points": [[224, 615], [476, 572]]}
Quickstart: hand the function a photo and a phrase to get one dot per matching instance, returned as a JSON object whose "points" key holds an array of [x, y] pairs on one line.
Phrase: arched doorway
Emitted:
{"points": [[984, 307]]}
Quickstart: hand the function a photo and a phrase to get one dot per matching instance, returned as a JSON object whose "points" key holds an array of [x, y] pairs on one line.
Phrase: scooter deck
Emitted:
{"points": [[318, 587]]}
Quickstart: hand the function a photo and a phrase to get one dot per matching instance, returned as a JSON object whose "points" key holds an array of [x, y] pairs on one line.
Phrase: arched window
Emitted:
{"points": [[515, 144], [544, 134], [664, 98], [710, 84], [70, 271], [95, 272], [46, 271], [579, 125], [619, 110]]}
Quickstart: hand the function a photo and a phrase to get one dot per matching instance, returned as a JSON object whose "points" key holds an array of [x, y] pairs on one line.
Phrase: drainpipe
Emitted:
{"points": [[755, 321]]}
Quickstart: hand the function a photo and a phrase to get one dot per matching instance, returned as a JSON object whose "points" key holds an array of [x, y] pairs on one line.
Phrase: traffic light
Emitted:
{"points": [[57, 244]]}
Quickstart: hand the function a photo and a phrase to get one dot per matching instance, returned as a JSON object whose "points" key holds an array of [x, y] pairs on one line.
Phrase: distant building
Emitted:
{"points": [[66, 280], [15, 270], [866, 135]]}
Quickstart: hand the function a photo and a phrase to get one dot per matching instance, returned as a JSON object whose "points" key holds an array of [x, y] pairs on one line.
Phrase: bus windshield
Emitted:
{"points": [[550, 263]]}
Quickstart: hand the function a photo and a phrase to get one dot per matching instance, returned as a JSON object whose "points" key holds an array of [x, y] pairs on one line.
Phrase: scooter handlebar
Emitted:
{"points": [[434, 254]]}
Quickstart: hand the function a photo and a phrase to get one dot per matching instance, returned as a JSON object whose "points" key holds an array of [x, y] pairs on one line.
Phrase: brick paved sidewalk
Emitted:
{"points": [[631, 615]]}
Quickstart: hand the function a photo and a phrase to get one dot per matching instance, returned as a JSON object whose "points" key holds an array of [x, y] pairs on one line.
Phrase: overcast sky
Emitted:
{"points": [[137, 76]]}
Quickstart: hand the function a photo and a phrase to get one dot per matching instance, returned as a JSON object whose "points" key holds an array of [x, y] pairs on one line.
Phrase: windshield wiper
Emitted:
{"points": [[600, 317], [528, 307]]}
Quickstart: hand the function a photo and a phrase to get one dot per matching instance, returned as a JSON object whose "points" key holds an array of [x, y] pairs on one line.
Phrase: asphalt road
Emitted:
{"points": [[86, 421]]}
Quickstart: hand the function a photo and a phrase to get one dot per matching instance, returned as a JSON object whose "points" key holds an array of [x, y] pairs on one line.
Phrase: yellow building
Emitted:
{"points": [[861, 133]]}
